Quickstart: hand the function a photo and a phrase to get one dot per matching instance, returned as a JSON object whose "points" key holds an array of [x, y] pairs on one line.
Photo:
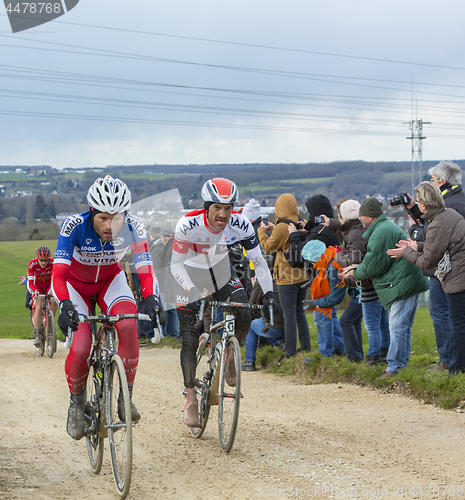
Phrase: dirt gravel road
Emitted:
{"points": [[322, 441]]}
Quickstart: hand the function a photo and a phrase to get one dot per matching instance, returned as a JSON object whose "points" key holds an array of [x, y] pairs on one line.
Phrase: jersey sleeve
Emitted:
{"points": [[141, 256], [262, 271], [31, 277], [181, 247], [63, 257]]}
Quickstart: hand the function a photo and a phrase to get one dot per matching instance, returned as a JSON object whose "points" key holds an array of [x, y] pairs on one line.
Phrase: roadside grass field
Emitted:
{"points": [[14, 259], [435, 387]]}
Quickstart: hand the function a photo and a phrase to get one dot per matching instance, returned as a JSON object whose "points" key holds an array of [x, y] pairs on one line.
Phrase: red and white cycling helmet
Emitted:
{"points": [[220, 190], [109, 195]]}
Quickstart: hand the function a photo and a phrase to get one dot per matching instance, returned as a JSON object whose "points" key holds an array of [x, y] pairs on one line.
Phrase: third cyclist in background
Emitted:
{"points": [[39, 278]]}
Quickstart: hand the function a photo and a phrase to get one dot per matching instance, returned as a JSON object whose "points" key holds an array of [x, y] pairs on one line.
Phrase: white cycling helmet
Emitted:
{"points": [[109, 195], [220, 190]]}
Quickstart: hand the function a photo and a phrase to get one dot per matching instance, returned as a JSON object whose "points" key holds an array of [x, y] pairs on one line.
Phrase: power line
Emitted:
{"points": [[269, 72], [186, 123], [209, 125], [261, 46]]}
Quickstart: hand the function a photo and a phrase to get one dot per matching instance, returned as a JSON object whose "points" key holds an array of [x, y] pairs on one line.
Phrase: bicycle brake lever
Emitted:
{"points": [[69, 338], [158, 332]]}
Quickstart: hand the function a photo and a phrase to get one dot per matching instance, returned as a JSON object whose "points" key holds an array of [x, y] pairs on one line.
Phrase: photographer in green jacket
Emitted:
{"points": [[397, 282]]}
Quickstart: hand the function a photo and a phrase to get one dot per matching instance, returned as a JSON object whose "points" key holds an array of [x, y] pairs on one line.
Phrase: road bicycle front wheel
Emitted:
{"points": [[229, 395], [202, 384], [50, 335], [119, 421], [93, 419]]}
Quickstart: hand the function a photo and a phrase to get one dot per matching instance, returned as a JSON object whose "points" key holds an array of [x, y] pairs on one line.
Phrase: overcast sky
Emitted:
{"points": [[146, 82]]}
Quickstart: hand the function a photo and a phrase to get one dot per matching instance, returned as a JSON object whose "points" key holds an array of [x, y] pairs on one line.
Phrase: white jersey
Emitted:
{"points": [[198, 245]]}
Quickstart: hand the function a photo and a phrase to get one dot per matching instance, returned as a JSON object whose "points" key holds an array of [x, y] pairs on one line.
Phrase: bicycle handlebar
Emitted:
{"points": [[42, 296], [233, 305], [236, 305], [114, 318]]}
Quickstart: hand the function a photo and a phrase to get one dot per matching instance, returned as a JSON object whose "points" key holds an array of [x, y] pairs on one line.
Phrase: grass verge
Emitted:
{"points": [[415, 381], [435, 387]]}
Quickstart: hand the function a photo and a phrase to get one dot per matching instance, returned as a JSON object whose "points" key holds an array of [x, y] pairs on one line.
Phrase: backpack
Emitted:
{"points": [[294, 254]]}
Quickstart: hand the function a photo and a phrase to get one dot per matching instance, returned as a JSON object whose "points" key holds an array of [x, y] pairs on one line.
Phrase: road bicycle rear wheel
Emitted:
{"points": [[229, 395], [50, 335], [42, 341], [202, 383], [119, 424], [93, 420]]}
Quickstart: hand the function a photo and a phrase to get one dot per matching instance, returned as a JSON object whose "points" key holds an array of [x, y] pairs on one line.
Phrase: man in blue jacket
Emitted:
{"points": [[398, 284]]}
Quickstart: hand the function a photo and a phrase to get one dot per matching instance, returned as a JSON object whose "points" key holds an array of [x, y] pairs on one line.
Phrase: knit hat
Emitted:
{"points": [[371, 207], [166, 232], [349, 209], [154, 231], [251, 210], [313, 250]]}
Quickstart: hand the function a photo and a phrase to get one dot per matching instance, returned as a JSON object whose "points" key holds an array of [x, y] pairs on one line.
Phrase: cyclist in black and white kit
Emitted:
{"points": [[201, 266]]}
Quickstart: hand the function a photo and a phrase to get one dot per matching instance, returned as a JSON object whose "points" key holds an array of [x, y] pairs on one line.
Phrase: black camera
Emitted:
{"points": [[400, 199], [319, 220]]}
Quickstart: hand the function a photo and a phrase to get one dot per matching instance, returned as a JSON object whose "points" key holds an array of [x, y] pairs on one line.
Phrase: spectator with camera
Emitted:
{"points": [[444, 248], [398, 286], [289, 279], [447, 176], [318, 206]]}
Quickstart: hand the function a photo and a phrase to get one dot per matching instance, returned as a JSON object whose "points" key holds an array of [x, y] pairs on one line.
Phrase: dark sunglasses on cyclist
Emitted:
{"points": [[43, 260]]}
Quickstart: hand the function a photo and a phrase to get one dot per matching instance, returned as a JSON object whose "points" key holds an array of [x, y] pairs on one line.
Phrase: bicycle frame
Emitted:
{"points": [[46, 306], [213, 386], [108, 410], [48, 338]]}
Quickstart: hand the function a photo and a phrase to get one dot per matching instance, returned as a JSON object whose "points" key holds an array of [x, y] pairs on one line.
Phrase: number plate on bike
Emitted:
{"points": [[229, 325]]}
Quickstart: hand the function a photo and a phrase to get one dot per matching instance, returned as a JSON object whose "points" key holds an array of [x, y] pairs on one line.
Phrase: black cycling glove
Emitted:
{"points": [[153, 306], [269, 299], [69, 317]]}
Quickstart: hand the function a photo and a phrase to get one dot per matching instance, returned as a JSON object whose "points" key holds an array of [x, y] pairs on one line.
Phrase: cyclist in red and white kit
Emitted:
{"points": [[87, 263], [200, 265], [39, 279]]}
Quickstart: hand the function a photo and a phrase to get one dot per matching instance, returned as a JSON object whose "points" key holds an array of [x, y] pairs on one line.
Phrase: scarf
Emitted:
{"points": [[320, 286]]}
